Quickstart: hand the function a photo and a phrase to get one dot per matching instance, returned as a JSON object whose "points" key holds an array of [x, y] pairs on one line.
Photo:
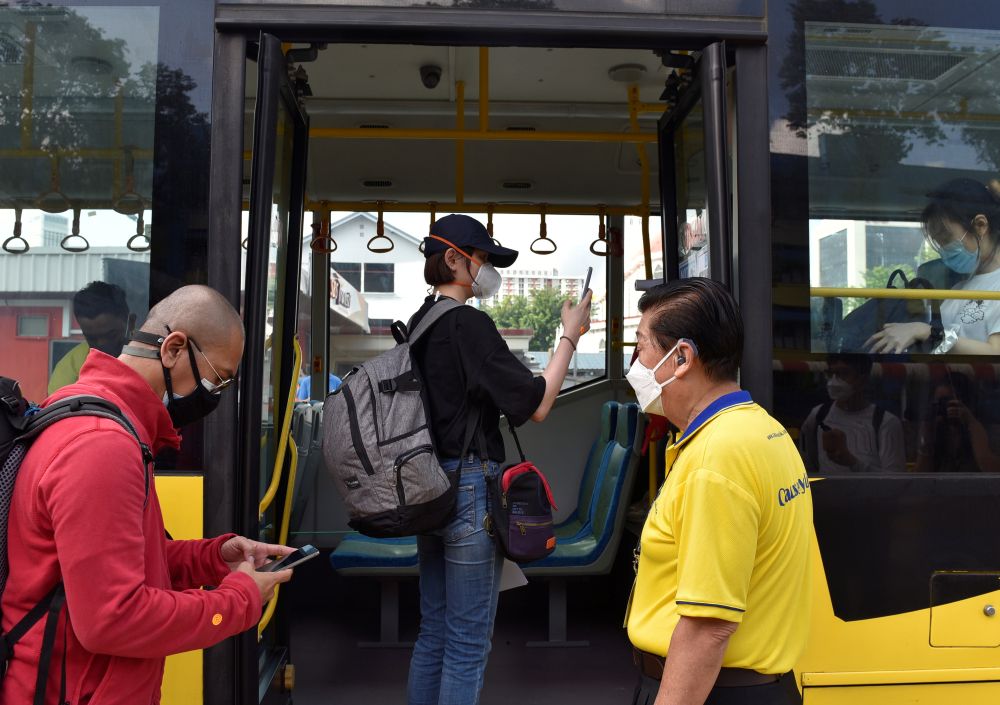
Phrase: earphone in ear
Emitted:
{"points": [[681, 359]]}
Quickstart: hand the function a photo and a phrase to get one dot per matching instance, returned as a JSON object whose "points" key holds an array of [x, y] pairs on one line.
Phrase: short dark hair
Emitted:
{"points": [[100, 297], [861, 364], [703, 311], [436, 270]]}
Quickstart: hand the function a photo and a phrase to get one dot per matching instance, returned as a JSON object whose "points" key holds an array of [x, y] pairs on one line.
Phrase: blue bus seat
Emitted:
{"points": [[593, 550], [576, 523], [389, 560]]}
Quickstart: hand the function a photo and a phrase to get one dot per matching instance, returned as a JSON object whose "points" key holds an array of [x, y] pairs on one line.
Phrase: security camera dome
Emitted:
{"points": [[430, 75]]}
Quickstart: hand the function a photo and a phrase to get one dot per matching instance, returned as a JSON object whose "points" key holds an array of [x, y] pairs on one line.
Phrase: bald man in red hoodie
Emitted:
{"points": [[82, 514]]}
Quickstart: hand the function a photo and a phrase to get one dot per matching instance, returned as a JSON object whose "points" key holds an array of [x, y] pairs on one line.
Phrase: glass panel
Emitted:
{"points": [[273, 401], [379, 278], [692, 196], [899, 132], [77, 104]]}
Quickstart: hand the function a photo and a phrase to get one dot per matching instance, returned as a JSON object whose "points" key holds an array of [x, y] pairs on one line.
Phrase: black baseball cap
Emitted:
{"points": [[467, 234]]}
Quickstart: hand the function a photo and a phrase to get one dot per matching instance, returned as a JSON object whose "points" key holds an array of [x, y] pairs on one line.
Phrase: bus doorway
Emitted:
{"points": [[557, 150]]}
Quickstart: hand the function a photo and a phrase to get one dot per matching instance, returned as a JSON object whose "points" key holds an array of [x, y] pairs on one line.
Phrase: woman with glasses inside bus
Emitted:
{"points": [[962, 224], [470, 373]]}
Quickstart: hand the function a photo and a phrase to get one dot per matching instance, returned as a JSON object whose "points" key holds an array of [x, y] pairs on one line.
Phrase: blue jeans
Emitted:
{"points": [[459, 583]]}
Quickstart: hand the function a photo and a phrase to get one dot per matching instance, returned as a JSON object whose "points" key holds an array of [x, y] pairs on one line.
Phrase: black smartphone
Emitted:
{"points": [[586, 283], [301, 555]]}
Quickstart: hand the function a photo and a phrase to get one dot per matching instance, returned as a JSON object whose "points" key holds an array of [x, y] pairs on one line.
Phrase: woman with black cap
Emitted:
{"points": [[962, 224], [470, 373]]}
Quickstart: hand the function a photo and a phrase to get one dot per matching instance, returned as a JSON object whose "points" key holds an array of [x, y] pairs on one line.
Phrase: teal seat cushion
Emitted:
{"points": [[357, 552]]}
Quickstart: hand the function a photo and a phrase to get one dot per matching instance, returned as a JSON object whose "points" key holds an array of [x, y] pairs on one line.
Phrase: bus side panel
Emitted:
{"points": [[182, 502]]}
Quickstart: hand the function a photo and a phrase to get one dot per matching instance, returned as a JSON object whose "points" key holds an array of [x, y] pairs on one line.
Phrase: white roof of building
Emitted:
{"points": [[53, 270]]}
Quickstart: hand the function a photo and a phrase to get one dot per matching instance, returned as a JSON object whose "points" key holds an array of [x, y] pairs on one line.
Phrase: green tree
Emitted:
{"points": [[540, 313], [877, 278]]}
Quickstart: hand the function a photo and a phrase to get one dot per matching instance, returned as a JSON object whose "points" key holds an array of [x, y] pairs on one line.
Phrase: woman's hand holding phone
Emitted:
{"points": [[266, 581]]}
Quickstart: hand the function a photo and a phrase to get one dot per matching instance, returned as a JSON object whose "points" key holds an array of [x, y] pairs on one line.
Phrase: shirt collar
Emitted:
{"points": [[726, 401]]}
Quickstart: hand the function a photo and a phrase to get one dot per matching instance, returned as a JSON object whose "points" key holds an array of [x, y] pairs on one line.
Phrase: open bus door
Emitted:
{"points": [[272, 358], [694, 173]]}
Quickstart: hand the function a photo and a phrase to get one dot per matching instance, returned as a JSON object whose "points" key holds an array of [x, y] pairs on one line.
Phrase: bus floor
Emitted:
{"points": [[330, 614]]}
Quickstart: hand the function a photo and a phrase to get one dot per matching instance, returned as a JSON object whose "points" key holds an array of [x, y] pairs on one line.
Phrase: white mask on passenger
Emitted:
{"points": [[487, 281], [647, 389]]}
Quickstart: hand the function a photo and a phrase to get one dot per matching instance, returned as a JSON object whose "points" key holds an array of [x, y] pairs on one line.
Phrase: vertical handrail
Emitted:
{"points": [[713, 91]]}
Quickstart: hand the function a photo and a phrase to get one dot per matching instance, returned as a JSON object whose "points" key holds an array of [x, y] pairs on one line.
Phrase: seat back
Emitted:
{"points": [[595, 460], [616, 478]]}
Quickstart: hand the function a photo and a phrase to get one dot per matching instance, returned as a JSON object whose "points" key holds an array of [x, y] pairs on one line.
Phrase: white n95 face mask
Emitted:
{"points": [[647, 389], [487, 282], [838, 389]]}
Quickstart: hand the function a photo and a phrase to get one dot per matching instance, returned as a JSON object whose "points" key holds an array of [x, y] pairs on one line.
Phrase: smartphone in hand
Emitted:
{"points": [[301, 555], [586, 283]]}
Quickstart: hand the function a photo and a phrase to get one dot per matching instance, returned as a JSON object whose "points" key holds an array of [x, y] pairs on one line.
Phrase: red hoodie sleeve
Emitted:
{"points": [[95, 508], [197, 562]]}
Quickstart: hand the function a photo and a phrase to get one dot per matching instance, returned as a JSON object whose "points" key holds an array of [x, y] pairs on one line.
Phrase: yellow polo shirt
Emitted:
{"points": [[67, 370], [728, 537]]}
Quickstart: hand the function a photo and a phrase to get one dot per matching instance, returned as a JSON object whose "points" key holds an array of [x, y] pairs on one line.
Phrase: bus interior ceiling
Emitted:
{"points": [[526, 91], [381, 89]]}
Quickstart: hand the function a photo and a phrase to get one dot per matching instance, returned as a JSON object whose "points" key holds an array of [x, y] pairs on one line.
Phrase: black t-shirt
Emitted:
{"points": [[476, 368]]}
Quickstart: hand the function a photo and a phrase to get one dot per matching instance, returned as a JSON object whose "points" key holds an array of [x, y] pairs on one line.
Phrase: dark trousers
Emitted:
{"points": [[777, 693]]}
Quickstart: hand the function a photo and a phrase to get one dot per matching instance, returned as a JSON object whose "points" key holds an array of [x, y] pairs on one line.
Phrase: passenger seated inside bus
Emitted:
{"points": [[962, 224], [847, 433], [951, 438]]}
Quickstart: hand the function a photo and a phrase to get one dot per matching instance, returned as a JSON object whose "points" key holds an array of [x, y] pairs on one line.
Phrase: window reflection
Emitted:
{"points": [[78, 91]]}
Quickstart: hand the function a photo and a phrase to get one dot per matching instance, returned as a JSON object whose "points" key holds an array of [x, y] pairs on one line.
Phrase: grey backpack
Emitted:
{"points": [[378, 446]]}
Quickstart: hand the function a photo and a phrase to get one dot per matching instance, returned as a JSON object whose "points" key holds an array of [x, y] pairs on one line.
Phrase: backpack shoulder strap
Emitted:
{"points": [[877, 417], [440, 307], [824, 409], [85, 405]]}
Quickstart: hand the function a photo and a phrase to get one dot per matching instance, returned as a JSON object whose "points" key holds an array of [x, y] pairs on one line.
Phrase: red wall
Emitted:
{"points": [[27, 359]]}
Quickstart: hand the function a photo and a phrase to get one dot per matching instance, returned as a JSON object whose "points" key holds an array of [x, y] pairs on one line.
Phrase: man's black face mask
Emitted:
{"points": [[186, 409]]}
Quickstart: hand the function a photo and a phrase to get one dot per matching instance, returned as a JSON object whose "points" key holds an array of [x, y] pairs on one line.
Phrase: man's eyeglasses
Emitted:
{"points": [[223, 383]]}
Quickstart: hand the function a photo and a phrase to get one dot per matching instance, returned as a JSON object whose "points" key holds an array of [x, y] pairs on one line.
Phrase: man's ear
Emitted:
{"points": [[174, 345]]}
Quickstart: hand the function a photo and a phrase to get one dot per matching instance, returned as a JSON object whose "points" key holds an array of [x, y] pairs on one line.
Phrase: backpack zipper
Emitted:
{"points": [[398, 467], [533, 524], [352, 419]]}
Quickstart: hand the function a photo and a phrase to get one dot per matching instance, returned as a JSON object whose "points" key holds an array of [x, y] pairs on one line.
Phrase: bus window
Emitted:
{"points": [[75, 194], [370, 290], [635, 270], [899, 126]]}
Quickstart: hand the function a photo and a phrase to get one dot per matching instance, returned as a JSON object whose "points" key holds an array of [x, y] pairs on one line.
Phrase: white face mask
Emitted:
{"points": [[838, 389], [647, 389], [487, 282]]}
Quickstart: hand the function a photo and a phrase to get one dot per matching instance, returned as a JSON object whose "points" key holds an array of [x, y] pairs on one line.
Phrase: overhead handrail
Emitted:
{"points": [[67, 241], [601, 243], [321, 240], [543, 237], [140, 234], [380, 234], [489, 223], [53, 201], [9, 244], [129, 202], [293, 463]]}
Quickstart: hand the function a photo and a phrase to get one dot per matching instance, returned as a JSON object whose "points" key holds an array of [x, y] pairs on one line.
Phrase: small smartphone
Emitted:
{"points": [[586, 283], [301, 555]]}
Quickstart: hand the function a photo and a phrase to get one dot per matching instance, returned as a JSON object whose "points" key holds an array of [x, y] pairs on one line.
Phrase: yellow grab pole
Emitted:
{"points": [[484, 89], [633, 116], [286, 517], [505, 208], [283, 444], [910, 294], [459, 144]]}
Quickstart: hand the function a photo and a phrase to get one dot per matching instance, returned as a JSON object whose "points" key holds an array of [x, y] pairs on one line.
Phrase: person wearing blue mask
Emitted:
{"points": [[962, 224]]}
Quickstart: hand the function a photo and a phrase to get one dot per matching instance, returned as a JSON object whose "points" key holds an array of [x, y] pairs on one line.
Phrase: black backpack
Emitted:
{"points": [[20, 423]]}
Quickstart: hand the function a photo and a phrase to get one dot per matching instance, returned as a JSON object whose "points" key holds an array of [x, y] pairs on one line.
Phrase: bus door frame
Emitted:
{"points": [[748, 194], [273, 88]]}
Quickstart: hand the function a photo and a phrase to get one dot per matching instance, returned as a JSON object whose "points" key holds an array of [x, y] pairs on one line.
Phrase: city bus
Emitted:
{"points": [[294, 154]]}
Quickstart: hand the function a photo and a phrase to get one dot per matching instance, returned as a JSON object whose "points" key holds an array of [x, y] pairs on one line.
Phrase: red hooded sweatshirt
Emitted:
{"points": [[80, 514]]}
